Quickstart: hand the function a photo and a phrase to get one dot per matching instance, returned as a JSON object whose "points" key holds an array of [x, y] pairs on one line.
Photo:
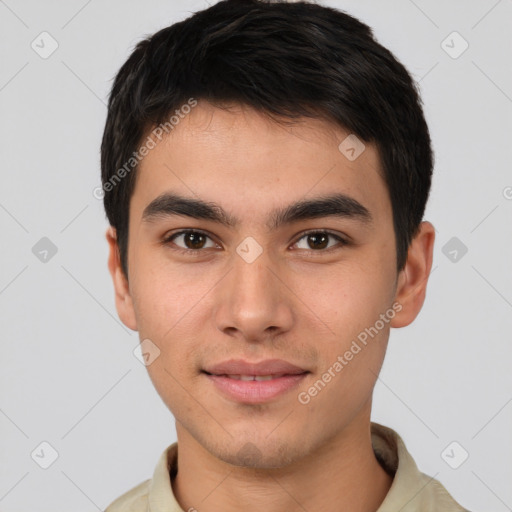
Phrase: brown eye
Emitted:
{"points": [[319, 240], [191, 240], [194, 240]]}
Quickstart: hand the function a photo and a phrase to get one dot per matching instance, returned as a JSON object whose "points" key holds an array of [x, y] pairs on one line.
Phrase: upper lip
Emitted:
{"points": [[266, 367]]}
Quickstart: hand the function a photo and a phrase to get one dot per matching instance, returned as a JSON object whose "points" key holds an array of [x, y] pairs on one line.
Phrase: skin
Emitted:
{"points": [[296, 303]]}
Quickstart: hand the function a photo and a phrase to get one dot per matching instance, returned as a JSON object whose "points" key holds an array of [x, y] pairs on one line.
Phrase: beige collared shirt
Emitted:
{"points": [[411, 491]]}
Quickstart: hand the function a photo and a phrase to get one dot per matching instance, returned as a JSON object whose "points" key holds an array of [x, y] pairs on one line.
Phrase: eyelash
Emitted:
{"points": [[196, 252]]}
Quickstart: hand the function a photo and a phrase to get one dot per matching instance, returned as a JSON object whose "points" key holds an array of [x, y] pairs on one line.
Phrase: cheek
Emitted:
{"points": [[172, 307], [356, 304], [348, 299], [166, 297], [350, 363]]}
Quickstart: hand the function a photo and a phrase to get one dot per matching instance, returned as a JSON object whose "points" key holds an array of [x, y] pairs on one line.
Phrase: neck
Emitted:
{"points": [[342, 475]]}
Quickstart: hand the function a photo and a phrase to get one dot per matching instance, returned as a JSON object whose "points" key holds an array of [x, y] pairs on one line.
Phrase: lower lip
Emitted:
{"points": [[253, 391]]}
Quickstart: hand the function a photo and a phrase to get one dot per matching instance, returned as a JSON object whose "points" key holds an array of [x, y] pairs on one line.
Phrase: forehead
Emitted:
{"points": [[250, 164]]}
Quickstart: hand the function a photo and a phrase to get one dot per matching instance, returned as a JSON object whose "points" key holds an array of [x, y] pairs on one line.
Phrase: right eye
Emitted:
{"points": [[190, 240]]}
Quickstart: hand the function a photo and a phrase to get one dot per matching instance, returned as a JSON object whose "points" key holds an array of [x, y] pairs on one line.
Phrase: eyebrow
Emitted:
{"points": [[335, 205]]}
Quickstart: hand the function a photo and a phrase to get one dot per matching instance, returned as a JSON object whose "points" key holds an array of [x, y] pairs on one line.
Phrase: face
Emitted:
{"points": [[275, 256]]}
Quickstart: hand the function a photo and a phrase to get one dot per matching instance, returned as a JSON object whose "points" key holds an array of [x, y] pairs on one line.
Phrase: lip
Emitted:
{"points": [[285, 376], [266, 367]]}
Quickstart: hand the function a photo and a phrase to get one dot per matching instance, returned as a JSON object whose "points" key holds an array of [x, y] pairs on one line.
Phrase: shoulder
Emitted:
{"points": [[436, 497], [157, 489], [135, 500], [411, 490]]}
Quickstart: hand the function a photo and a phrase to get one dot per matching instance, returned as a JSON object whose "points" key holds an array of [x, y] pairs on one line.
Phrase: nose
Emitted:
{"points": [[253, 301]]}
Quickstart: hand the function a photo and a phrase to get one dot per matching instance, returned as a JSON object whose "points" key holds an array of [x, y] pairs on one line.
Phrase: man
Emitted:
{"points": [[266, 168]]}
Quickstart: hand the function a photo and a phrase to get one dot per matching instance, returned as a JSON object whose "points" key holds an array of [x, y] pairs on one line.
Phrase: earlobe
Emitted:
{"points": [[123, 299], [412, 280]]}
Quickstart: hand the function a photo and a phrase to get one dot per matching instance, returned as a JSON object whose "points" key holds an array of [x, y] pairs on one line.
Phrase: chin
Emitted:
{"points": [[259, 454]]}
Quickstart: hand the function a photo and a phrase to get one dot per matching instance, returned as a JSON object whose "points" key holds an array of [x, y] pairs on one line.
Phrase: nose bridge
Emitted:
{"points": [[252, 281], [253, 301]]}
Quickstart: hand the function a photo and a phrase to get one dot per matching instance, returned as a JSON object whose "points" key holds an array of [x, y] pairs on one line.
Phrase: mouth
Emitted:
{"points": [[258, 378], [253, 383]]}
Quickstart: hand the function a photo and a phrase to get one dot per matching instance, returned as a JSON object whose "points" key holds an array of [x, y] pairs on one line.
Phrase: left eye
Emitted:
{"points": [[318, 240]]}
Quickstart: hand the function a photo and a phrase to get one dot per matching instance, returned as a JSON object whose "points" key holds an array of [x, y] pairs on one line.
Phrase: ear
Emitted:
{"points": [[413, 278], [124, 304]]}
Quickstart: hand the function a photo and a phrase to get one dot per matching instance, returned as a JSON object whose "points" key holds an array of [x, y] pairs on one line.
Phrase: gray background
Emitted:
{"points": [[68, 373]]}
